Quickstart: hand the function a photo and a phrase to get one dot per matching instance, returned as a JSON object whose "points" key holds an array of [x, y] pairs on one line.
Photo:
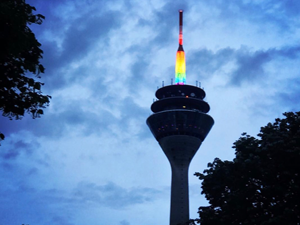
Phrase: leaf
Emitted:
{"points": [[40, 112], [37, 86]]}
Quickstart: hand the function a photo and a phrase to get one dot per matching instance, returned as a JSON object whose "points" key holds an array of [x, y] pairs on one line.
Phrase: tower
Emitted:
{"points": [[180, 124]]}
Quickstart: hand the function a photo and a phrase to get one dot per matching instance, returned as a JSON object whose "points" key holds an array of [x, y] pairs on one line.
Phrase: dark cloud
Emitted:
{"points": [[288, 52], [131, 110], [138, 71], [282, 14], [51, 19], [165, 21], [112, 195], [22, 203], [78, 37], [285, 99], [17, 148], [289, 95], [205, 62], [291, 7], [124, 222], [73, 113], [54, 76], [55, 124], [87, 31], [249, 65], [61, 220]]}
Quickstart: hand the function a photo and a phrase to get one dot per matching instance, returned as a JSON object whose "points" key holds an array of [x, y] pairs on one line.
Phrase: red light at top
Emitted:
{"points": [[180, 27]]}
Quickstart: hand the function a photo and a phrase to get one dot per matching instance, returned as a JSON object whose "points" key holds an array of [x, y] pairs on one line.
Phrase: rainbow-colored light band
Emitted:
{"points": [[180, 75]]}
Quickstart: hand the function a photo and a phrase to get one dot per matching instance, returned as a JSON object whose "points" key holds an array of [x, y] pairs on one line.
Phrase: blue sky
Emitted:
{"points": [[91, 159]]}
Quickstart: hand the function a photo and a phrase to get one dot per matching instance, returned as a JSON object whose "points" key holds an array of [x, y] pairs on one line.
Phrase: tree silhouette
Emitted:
{"points": [[261, 185], [20, 61]]}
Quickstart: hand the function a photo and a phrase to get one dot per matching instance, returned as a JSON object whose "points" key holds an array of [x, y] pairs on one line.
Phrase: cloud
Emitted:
{"points": [[282, 14], [112, 195], [205, 62], [46, 205], [87, 31], [245, 65], [250, 66], [18, 148], [124, 222], [289, 96], [61, 220], [71, 37], [166, 20]]}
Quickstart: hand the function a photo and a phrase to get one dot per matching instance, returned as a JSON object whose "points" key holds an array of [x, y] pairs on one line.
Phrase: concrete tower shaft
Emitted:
{"points": [[179, 149]]}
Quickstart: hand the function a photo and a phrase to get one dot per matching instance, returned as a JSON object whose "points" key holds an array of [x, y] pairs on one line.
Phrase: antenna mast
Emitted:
{"points": [[180, 27], [180, 75]]}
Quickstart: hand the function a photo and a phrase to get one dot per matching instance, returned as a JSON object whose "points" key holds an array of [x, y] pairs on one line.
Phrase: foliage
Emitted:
{"points": [[20, 61], [261, 185]]}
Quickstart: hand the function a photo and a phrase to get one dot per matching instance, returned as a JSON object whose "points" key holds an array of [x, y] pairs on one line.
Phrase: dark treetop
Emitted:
{"points": [[20, 61], [261, 185]]}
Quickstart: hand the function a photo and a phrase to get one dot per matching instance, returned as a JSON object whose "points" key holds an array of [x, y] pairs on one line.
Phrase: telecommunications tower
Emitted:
{"points": [[180, 124]]}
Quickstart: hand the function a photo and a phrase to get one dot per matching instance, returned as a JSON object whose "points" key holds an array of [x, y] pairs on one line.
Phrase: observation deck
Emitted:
{"points": [[180, 110]]}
